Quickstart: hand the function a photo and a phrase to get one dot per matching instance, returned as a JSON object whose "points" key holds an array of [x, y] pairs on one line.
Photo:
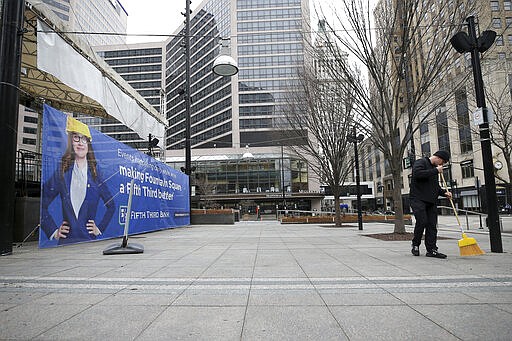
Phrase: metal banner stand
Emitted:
{"points": [[125, 248]]}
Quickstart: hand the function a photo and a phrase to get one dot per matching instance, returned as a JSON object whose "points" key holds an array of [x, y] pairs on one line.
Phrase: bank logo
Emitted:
{"points": [[123, 211]]}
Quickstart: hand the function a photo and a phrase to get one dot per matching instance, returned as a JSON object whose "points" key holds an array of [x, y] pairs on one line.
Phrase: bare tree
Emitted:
{"points": [[499, 97], [319, 114], [205, 190], [406, 53]]}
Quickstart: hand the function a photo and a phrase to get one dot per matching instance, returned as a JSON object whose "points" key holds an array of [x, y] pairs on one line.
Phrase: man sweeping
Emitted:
{"points": [[423, 198]]}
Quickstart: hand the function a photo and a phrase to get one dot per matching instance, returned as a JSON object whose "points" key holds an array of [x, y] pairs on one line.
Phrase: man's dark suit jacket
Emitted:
{"points": [[424, 183]]}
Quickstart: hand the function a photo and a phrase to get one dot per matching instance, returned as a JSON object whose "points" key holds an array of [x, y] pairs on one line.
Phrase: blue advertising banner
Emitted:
{"points": [[86, 181]]}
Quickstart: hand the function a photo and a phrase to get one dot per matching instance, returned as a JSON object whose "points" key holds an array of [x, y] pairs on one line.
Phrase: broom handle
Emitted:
{"points": [[451, 202]]}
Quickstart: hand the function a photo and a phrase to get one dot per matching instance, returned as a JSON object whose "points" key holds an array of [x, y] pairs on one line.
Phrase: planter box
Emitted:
{"points": [[26, 218], [213, 217], [345, 219]]}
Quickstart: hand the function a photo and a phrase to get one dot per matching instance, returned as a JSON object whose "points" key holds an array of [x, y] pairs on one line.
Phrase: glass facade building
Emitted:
{"points": [[233, 115], [93, 16], [266, 39]]}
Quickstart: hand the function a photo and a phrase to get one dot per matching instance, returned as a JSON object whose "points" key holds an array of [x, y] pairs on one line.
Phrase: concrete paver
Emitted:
{"points": [[259, 280]]}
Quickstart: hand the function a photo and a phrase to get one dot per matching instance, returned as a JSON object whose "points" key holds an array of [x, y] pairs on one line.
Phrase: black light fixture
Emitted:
{"points": [[461, 42], [152, 143], [464, 42], [485, 41]]}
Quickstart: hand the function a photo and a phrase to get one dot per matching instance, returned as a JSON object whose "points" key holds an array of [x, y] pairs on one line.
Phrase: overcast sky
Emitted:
{"points": [[154, 17], [164, 16]]}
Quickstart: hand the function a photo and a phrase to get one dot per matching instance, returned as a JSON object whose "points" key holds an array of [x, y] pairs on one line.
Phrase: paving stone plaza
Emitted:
{"points": [[259, 281]]}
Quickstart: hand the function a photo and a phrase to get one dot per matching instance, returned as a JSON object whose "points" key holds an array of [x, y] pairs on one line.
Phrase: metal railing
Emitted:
{"points": [[28, 169], [467, 213]]}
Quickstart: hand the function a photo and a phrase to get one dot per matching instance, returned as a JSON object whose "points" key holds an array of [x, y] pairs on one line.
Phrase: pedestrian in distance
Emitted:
{"points": [[424, 191]]}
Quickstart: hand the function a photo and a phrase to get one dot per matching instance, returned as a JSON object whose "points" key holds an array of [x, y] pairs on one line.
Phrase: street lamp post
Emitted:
{"points": [[462, 42], [223, 65], [188, 152], [354, 138], [282, 177]]}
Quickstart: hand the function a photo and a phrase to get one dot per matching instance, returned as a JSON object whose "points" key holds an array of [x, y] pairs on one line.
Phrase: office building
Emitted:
{"points": [[93, 16], [451, 125], [238, 147]]}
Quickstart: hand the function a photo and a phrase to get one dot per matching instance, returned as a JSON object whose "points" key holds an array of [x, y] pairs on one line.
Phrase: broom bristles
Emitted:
{"points": [[469, 247], [471, 250]]}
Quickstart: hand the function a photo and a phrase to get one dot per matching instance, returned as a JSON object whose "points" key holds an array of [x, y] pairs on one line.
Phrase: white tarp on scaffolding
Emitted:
{"points": [[55, 56]]}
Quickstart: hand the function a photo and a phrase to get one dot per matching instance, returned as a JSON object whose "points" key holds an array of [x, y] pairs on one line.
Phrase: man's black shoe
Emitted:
{"points": [[415, 250], [435, 254]]}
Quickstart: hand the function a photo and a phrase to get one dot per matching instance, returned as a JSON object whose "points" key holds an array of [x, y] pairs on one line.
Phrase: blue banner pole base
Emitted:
{"points": [[120, 249]]}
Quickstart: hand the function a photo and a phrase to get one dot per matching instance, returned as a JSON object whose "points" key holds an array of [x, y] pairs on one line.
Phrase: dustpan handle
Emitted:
{"points": [[451, 202]]}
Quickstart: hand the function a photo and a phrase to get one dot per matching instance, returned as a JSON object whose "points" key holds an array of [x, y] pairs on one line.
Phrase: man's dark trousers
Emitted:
{"points": [[426, 220]]}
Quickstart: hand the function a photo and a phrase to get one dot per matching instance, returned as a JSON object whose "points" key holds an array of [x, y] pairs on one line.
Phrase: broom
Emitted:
{"points": [[467, 245]]}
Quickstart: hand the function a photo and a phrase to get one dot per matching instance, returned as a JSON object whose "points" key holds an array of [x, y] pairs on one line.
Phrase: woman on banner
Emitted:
{"points": [[80, 188]]}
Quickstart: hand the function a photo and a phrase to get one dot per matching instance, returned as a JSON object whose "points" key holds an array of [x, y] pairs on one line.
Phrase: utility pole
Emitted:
{"points": [[464, 42], [282, 177], [485, 141], [188, 113], [11, 34], [354, 138]]}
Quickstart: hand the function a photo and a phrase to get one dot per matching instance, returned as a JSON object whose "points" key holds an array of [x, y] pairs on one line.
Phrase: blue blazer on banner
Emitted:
{"points": [[60, 186]]}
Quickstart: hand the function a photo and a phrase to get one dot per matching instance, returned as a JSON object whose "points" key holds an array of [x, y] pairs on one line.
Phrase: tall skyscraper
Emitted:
{"points": [[235, 117], [94, 16], [267, 39]]}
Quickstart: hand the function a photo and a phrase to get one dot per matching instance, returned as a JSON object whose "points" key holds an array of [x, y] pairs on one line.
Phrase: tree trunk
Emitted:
{"points": [[397, 201], [337, 209], [509, 184]]}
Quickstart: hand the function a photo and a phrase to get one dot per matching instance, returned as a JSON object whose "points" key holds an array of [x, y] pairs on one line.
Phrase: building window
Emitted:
{"points": [[443, 138], [499, 40], [461, 102], [30, 130], [387, 168], [425, 139], [507, 5], [496, 22], [501, 55], [378, 172], [495, 5], [467, 169], [471, 202], [26, 140], [510, 84], [30, 119]]}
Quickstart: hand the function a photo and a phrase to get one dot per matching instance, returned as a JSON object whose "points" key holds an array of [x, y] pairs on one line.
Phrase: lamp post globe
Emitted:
{"points": [[225, 65]]}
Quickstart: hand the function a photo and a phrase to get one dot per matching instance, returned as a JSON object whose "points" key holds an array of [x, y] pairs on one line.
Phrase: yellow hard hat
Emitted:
{"points": [[73, 125]]}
